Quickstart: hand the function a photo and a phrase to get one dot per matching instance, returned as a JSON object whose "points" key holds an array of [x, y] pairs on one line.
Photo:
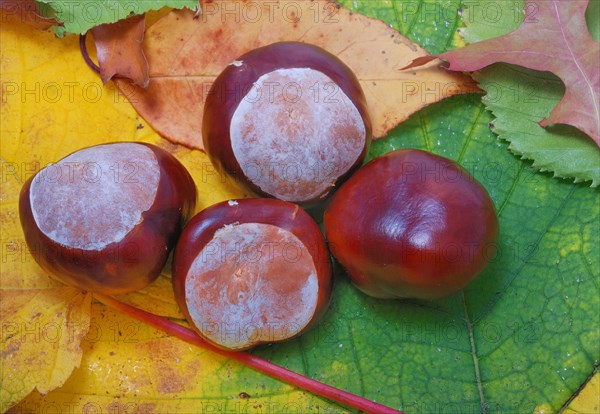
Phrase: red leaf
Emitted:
{"points": [[119, 50], [556, 41]]}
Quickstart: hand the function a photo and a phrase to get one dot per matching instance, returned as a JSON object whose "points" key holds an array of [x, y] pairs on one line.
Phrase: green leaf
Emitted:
{"points": [[519, 98], [488, 19], [591, 16], [79, 17], [525, 334]]}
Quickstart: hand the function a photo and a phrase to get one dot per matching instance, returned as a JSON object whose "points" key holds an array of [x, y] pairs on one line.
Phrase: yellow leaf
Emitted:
{"points": [[588, 399], [42, 321], [129, 367], [51, 104], [41, 334]]}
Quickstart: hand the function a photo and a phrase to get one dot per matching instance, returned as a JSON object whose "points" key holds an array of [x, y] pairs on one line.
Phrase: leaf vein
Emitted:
{"points": [[303, 357], [361, 382], [576, 61], [470, 134], [511, 190], [469, 324], [426, 137], [530, 253]]}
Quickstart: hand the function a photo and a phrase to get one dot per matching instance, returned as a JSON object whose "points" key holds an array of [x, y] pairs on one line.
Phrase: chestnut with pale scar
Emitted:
{"points": [[105, 218], [250, 272], [288, 121]]}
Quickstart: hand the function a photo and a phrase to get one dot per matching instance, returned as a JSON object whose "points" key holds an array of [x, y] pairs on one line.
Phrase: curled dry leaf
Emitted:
{"points": [[552, 39], [186, 54], [119, 50], [26, 11]]}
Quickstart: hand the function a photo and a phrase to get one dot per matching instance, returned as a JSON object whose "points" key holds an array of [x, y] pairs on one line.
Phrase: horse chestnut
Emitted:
{"points": [[105, 218], [251, 271], [411, 224], [288, 121]]}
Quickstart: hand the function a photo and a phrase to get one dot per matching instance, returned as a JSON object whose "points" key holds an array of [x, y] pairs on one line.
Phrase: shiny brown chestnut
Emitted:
{"points": [[288, 120], [105, 218], [411, 224], [251, 271]]}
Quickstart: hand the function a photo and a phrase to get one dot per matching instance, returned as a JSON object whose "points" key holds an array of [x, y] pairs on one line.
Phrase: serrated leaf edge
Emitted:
{"points": [[525, 156]]}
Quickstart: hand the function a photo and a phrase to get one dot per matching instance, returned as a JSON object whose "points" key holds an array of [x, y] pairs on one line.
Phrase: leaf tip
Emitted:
{"points": [[420, 61]]}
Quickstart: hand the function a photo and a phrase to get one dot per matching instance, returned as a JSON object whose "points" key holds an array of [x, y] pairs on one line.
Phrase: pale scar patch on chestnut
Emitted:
{"points": [[95, 196], [295, 133], [252, 283]]}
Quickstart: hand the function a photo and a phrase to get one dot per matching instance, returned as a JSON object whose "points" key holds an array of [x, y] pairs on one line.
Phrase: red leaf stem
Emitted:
{"points": [[250, 360]]}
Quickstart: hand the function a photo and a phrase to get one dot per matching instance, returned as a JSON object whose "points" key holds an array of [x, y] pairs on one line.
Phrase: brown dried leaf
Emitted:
{"points": [[119, 50], [27, 12], [186, 54]]}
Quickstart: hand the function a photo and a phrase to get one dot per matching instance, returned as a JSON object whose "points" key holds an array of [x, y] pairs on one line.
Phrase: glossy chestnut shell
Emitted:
{"points": [[251, 271], [70, 249], [410, 224], [288, 120]]}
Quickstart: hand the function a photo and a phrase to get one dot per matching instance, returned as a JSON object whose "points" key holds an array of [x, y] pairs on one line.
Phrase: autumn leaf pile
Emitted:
{"points": [[61, 347]]}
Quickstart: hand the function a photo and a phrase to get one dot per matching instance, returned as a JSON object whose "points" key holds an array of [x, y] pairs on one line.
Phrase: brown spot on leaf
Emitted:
{"points": [[168, 371]]}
